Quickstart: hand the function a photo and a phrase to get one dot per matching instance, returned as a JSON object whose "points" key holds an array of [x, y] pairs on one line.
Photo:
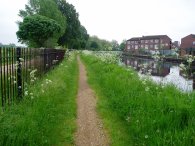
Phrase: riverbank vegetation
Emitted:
{"points": [[47, 114], [137, 111]]}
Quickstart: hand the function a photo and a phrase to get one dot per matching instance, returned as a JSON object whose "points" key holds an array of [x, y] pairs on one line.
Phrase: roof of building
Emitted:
{"points": [[193, 35], [134, 39], [147, 37]]}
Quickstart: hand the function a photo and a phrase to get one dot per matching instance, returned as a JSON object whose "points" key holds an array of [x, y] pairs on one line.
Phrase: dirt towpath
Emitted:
{"points": [[90, 129]]}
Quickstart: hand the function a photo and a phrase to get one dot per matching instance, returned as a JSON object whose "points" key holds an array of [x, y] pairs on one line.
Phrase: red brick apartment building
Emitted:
{"points": [[188, 45], [148, 43]]}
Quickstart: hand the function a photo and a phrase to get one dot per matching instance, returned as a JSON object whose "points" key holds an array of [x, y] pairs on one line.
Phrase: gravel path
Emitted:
{"points": [[90, 129]]}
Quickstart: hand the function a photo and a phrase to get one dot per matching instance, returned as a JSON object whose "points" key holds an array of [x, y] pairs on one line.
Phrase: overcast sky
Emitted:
{"points": [[116, 19]]}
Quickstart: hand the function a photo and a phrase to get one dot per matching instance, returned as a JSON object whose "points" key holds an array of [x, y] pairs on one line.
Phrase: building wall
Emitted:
{"points": [[148, 43], [186, 43]]}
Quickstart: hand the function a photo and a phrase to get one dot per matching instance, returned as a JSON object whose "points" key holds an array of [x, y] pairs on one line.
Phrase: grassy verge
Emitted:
{"points": [[139, 112], [47, 114]]}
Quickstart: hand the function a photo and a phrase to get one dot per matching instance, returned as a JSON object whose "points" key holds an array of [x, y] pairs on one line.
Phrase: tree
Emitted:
{"points": [[73, 24], [115, 45], [122, 45], [76, 35], [83, 37], [47, 8], [103, 45], [94, 45], [38, 31]]}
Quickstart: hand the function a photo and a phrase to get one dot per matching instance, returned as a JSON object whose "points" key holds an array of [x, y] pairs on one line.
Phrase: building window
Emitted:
{"points": [[193, 43], [156, 41], [146, 47], [128, 42], [136, 46], [151, 41], [142, 41], [132, 42], [128, 47], [151, 46], [146, 41], [136, 42], [156, 46], [142, 46]]}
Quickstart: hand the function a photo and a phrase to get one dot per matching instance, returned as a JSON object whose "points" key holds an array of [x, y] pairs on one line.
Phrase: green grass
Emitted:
{"points": [[138, 113], [47, 116]]}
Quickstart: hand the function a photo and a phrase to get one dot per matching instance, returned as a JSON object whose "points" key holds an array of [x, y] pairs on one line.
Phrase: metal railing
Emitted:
{"points": [[16, 66]]}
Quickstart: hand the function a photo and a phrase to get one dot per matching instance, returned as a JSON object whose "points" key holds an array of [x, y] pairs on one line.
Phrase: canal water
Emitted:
{"points": [[161, 72]]}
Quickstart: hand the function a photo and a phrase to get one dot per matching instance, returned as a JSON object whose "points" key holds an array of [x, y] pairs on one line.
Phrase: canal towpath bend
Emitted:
{"points": [[90, 130]]}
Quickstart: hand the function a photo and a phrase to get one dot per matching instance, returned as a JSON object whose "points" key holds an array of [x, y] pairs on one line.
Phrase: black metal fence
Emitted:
{"points": [[17, 66]]}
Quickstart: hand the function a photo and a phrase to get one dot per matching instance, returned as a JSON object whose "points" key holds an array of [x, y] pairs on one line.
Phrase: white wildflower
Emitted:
{"points": [[147, 89], [146, 136], [128, 119], [26, 93], [21, 59], [182, 66]]}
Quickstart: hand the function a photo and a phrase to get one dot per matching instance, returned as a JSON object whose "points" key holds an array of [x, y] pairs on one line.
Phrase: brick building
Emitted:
{"points": [[188, 45], [148, 44]]}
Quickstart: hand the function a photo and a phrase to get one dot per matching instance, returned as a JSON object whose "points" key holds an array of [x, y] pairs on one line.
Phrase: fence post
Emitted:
{"points": [[1, 77], [19, 74]]}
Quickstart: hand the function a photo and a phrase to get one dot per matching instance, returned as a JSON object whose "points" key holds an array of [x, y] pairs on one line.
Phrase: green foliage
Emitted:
{"points": [[94, 43], [39, 31], [72, 34], [122, 45], [49, 9], [146, 113], [76, 35], [115, 45], [48, 118], [11, 45], [83, 37]]}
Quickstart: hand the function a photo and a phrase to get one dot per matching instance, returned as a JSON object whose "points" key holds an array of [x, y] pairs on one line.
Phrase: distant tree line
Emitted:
{"points": [[11, 45], [97, 44]]}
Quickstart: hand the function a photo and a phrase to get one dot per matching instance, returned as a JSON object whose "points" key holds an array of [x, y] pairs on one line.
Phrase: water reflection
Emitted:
{"points": [[161, 72]]}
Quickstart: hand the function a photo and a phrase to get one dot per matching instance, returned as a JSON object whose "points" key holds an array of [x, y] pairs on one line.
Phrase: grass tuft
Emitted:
{"points": [[47, 115], [140, 112]]}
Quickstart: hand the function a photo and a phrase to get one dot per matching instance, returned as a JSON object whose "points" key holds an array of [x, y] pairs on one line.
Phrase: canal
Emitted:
{"points": [[161, 72]]}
